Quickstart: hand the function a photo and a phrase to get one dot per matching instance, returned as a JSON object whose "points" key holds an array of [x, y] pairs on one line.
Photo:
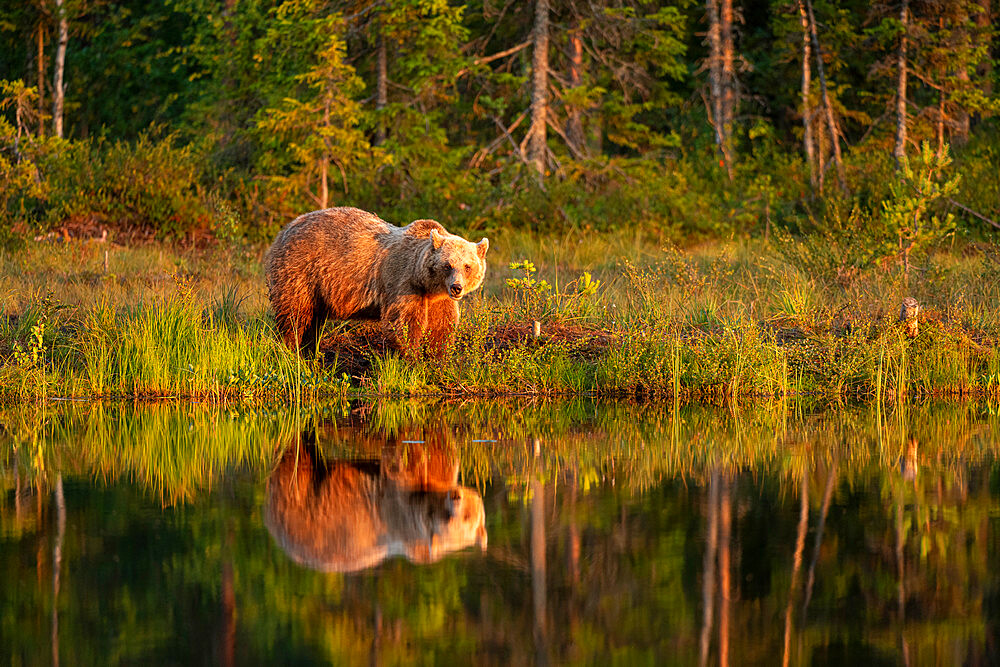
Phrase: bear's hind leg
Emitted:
{"points": [[295, 321], [313, 331]]}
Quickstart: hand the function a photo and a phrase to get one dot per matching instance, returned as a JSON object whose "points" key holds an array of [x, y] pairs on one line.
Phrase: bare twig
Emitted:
{"points": [[569, 144], [496, 56], [982, 217], [480, 155], [507, 135]]}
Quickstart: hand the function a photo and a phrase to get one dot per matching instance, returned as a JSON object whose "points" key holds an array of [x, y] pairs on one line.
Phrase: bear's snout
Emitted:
{"points": [[455, 290]]}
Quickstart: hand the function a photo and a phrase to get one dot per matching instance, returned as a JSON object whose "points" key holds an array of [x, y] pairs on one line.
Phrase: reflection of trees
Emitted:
{"points": [[708, 567], [800, 543], [628, 567], [725, 569], [539, 580], [60, 502]]}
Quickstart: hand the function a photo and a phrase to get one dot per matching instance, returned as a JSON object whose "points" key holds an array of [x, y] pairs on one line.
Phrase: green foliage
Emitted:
{"points": [[125, 59], [533, 299], [314, 131], [273, 107], [152, 184], [20, 181], [909, 218]]}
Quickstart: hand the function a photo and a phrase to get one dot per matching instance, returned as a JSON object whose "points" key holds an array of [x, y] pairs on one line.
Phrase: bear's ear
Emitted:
{"points": [[482, 247], [437, 238]]}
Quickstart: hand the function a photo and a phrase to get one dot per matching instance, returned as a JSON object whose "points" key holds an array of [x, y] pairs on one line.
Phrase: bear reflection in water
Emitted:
{"points": [[344, 516]]}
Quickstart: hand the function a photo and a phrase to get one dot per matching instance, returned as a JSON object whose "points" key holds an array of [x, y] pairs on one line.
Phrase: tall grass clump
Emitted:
{"points": [[175, 348], [393, 375], [36, 346]]}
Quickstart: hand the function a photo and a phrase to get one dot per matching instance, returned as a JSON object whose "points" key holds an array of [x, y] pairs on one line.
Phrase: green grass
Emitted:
{"points": [[726, 320]]}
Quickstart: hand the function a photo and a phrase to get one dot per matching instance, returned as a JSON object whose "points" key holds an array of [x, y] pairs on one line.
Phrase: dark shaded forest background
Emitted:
{"points": [[681, 120]]}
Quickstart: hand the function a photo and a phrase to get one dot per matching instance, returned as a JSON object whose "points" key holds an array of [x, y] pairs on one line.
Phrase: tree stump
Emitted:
{"points": [[908, 316]]}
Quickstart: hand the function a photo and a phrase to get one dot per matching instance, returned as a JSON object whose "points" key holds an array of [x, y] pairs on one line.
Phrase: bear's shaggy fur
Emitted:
{"points": [[346, 263], [344, 516]]}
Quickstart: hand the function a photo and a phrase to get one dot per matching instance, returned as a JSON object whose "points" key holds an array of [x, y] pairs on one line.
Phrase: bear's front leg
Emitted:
{"points": [[405, 321], [442, 318]]}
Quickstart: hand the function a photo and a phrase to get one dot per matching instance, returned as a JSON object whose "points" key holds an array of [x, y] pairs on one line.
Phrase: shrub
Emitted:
{"points": [[152, 184]]}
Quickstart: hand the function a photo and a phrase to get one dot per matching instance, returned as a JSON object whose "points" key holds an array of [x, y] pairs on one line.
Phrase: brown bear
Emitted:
{"points": [[349, 264], [344, 516]]}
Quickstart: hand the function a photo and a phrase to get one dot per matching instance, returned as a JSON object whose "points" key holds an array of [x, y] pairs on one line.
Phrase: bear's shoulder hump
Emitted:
{"points": [[423, 228]]}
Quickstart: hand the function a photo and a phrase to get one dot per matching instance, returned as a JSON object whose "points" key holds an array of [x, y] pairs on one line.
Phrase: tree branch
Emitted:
{"points": [[481, 154], [496, 56], [974, 213]]}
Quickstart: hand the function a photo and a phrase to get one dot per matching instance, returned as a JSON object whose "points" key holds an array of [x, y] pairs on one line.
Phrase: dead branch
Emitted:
{"points": [[974, 213]]}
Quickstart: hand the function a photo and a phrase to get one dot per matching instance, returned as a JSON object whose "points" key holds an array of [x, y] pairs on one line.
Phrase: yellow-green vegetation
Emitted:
{"points": [[762, 318], [177, 451]]}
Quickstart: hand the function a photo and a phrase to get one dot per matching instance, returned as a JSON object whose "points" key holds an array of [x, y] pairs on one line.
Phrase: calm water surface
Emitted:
{"points": [[500, 533]]}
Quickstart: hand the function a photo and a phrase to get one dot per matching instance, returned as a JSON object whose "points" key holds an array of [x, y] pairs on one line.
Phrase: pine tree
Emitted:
{"points": [[314, 129]]}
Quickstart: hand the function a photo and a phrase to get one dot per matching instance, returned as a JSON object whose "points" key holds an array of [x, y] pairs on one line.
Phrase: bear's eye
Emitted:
{"points": [[468, 267]]}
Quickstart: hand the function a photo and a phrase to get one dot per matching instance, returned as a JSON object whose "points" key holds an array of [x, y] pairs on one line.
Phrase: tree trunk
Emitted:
{"points": [[807, 133], [324, 163], [574, 121], [40, 61], [960, 132], [828, 108], [381, 82], [900, 150], [715, 70], [717, 85], [728, 71], [985, 67], [976, 29], [821, 154], [324, 182], [58, 91], [939, 125], [539, 89]]}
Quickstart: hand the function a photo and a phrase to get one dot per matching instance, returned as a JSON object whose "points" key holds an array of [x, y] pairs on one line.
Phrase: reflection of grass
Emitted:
{"points": [[174, 451], [636, 556]]}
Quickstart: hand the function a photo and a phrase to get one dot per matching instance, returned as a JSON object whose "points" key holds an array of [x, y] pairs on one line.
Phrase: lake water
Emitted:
{"points": [[500, 533]]}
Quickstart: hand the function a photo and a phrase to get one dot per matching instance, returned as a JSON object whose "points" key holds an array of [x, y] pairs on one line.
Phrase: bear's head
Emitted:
{"points": [[457, 266], [449, 521]]}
